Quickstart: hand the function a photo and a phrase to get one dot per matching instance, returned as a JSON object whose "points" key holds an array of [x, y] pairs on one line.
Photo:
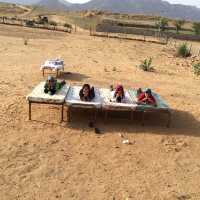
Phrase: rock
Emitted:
{"points": [[184, 197]]}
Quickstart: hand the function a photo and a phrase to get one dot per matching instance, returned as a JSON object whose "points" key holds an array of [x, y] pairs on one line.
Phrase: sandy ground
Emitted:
{"points": [[45, 160]]}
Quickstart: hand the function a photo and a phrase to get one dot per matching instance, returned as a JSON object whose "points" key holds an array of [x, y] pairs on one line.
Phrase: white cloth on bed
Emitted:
{"points": [[38, 95], [73, 98], [108, 97], [55, 64]]}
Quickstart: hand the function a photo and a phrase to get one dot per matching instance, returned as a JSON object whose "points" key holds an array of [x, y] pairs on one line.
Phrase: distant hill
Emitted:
{"points": [[148, 7], [54, 4], [7, 9], [25, 2]]}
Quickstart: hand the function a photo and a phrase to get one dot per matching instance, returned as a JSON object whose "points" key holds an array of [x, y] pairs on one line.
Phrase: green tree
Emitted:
{"points": [[196, 28], [162, 24], [178, 25]]}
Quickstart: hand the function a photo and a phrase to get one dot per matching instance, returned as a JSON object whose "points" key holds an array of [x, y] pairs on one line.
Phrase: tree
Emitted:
{"points": [[162, 24], [178, 25], [196, 28]]}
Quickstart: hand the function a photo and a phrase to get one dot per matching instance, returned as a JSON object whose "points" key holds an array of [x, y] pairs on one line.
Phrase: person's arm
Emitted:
{"points": [[46, 88], [81, 94], [141, 97], [92, 93], [152, 100]]}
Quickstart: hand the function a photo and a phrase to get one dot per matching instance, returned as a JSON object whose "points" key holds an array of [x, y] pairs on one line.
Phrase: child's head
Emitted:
{"points": [[148, 92], [139, 91], [86, 89], [50, 81], [119, 91], [119, 88]]}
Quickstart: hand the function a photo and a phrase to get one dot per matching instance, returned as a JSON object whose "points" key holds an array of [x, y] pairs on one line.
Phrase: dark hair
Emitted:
{"points": [[148, 91], [86, 86], [91, 94], [139, 91]]}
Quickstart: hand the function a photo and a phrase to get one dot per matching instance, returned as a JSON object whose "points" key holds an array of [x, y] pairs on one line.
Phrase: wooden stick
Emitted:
{"points": [[69, 114], [169, 120], [62, 112], [29, 110]]}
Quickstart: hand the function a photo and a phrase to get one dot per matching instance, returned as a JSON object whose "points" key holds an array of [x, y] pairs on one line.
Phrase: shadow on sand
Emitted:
{"points": [[73, 76], [182, 123]]}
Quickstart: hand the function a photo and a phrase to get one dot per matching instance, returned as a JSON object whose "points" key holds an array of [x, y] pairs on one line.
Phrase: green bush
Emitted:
{"points": [[178, 25], [162, 24], [68, 25], [196, 28], [30, 23], [146, 65], [183, 51], [196, 69]]}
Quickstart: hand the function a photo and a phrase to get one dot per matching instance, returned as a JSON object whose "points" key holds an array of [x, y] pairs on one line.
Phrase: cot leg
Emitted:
{"points": [[106, 116], [62, 112], [95, 115], [169, 120], [57, 73], [43, 72], [143, 117], [68, 114], [131, 115], [29, 110]]}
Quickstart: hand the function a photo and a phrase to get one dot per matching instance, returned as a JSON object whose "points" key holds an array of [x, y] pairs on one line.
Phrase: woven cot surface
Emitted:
{"points": [[107, 97], [73, 98], [38, 95], [161, 104]]}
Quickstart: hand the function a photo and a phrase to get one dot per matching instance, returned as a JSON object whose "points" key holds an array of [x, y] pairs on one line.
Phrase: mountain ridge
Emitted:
{"points": [[146, 7]]}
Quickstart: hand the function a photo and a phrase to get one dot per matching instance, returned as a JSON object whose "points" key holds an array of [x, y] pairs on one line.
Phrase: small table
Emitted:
{"points": [[37, 96], [53, 65]]}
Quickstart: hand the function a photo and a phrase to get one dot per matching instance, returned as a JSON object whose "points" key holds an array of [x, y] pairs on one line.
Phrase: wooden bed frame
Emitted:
{"points": [[83, 107], [47, 103], [163, 111]]}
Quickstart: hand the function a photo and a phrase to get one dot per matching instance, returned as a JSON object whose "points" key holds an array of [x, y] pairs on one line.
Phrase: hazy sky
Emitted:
{"points": [[187, 2]]}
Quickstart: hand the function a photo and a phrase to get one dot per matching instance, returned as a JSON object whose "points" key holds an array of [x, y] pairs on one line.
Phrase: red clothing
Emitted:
{"points": [[149, 100], [119, 89]]}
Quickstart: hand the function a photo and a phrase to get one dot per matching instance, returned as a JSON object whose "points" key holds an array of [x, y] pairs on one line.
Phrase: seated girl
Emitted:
{"points": [[146, 97], [87, 93], [119, 94]]}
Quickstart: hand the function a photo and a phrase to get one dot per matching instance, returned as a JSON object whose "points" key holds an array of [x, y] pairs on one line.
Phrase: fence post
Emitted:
{"points": [[90, 31]]}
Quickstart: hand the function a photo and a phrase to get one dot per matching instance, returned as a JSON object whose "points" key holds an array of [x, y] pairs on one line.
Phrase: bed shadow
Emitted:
{"points": [[73, 76], [182, 123]]}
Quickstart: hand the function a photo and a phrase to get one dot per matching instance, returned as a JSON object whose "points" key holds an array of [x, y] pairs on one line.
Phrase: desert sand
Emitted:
{"points": [[45, 160]]}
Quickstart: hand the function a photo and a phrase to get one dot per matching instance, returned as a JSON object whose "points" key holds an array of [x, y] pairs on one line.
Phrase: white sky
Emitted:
{"points": [[186, 2]]}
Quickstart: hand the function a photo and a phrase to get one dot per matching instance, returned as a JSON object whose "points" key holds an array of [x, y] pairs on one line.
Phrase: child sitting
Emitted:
{"points": [[87, 93], [146, 97], [52, 85], [119, 94]]}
